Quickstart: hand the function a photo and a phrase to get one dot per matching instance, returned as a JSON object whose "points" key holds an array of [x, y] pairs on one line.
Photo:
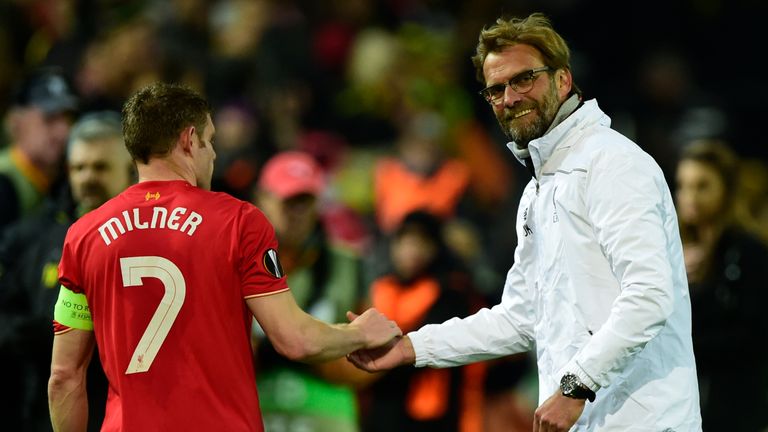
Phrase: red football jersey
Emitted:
{"points": [[166, 267]]}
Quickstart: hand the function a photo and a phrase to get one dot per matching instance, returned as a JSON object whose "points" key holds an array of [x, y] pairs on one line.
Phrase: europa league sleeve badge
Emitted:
{"points": [[272, 263]]}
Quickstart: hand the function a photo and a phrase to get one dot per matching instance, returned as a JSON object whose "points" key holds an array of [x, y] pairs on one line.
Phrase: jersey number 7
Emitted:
{"points": [[135, 268]]}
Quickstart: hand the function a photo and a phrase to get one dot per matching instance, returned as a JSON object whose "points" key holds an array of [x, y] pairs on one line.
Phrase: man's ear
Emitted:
{"points": [[185, 139], [564, 81]]}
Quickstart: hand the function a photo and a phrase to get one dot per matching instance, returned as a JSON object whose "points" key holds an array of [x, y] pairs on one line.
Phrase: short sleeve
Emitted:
{"points": [[69, 271], [260, 269]]}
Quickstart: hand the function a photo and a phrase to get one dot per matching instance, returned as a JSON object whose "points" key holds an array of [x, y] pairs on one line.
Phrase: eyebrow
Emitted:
{"points": [[524, 71]]}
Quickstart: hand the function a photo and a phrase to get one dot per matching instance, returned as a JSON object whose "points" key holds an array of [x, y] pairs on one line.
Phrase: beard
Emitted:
{"points": [[92, 195], [522, 132]]}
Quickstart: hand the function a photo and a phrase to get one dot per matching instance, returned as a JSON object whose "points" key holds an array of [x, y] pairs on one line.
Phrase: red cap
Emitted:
{"points": [[292, 173]]}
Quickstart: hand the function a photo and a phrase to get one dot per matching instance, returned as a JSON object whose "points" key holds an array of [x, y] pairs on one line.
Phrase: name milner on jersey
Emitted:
{"points": [[160, 219]]}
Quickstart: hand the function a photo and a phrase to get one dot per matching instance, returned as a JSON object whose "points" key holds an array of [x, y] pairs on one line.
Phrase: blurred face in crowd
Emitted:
{"points": [[98, 170], [525, 117], [700, 192], [294, 218], [412, 252], [204, 155], [43, 137]]}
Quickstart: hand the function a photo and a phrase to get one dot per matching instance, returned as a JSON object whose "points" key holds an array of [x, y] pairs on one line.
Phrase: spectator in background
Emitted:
{"points": [[99, 168], [753, 180], [426, 284], [119, 60], [238, 153], [670, 108], [327, 281], [38, 124], [420, 176], [727, 265]]}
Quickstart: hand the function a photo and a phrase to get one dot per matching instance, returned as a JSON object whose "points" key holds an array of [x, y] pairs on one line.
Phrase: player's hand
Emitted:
{"points": [[557, 414], [377, 329], [398, 352]]}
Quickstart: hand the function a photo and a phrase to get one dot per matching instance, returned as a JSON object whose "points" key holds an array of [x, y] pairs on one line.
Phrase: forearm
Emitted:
{"points": [[652, 290], [323, 342], [68, 404], [504, 329], [631, 211], [299, 336], [489, 333], [67, 399]]}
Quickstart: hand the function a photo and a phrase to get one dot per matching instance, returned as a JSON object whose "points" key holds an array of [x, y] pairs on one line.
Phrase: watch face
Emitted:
{"points": [[567, 385], [572, 387]]}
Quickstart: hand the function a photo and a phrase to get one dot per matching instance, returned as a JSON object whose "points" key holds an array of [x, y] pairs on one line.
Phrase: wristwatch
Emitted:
{"points": [[572, 387]]}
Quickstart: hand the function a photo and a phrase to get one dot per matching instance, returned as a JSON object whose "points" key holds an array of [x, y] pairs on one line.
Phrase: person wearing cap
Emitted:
{"points": [[326, 279], [38, 124]]}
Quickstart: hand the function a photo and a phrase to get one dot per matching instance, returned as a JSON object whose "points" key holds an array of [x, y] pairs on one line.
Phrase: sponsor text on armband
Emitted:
{"points": [[72, 310]]}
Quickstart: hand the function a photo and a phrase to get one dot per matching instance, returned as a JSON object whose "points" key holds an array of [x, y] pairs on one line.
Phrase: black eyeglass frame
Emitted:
{"points": [[530, 74]]}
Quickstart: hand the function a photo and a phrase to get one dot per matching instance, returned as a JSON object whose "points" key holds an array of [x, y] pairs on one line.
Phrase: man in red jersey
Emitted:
{"points": [[165, 279]]}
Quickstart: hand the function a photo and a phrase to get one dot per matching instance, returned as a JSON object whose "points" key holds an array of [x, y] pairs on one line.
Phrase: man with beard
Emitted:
{"points": [[99, 167], [598, 285]]}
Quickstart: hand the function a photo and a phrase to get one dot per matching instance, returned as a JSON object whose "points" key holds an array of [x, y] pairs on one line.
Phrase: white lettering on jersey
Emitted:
{"points": [[159, 219]]}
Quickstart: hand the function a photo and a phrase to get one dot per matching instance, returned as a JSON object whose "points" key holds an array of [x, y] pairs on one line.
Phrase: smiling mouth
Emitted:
{"points": [[522, 113]]}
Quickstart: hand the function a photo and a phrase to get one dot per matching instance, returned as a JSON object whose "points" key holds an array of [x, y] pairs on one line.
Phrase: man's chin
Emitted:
{"points": [[515, 129], [523, 134], [516, 136]]}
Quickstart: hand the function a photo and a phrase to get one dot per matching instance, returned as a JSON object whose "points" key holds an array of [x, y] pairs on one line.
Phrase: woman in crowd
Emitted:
{"points": [[727, 266]]}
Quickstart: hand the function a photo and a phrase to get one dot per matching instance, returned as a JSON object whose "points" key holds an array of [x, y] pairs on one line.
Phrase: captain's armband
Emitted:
{"points": [[72, 310]]}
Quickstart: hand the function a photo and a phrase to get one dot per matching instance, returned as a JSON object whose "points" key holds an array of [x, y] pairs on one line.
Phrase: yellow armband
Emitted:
{"points": [[72, 310]]}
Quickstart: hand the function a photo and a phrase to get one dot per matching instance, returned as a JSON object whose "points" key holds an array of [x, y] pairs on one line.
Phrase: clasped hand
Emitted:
{"points": [[393, 353], [377, 329]]}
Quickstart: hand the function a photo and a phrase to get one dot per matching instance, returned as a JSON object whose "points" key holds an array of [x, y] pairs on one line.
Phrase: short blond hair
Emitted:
{"points": [[535, 30]]}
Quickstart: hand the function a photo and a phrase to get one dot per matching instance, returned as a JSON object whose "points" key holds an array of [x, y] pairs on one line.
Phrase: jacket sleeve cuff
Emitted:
{"points": [[574, 368], [419, 341]]}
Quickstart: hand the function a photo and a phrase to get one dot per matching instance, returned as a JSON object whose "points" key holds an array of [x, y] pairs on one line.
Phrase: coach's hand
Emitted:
{"points": [[557, 414]]}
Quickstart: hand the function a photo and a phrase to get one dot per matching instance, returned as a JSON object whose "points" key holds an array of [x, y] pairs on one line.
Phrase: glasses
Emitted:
{"points": [[521, 83]]}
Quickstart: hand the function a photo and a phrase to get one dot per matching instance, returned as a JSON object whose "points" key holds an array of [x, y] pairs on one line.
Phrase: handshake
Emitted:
{"points": [[384, 348]]}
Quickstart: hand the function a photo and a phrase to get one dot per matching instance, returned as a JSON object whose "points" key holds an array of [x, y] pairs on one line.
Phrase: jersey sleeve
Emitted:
{"points": [[69, 277], [69, 274], [59, 328], [260, 269]]}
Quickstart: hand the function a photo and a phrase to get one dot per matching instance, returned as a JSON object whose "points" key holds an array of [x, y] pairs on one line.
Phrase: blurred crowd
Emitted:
{"points": [[355, 126]]}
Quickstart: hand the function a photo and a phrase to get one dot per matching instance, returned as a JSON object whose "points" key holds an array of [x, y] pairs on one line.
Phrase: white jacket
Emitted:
{"points": [[598, 286]]}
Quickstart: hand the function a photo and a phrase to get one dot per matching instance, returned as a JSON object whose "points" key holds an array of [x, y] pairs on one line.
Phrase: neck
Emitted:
{"points": [[566, 108], [164, 169]]}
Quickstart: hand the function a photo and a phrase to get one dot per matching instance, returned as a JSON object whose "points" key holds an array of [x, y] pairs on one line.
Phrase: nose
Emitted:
{"points": [[511, 97], [88, 174]]}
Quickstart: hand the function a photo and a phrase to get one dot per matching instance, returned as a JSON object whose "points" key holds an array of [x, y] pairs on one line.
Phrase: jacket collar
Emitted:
{"points": [[570, 118]]}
